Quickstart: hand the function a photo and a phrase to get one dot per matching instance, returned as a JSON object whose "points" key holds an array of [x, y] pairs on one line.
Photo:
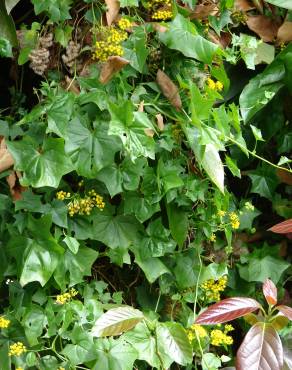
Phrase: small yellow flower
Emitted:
{"points": [[213, 238], [17, 349], [211, 84], [191, 335], [212, 288], [162, 15], [4, 323], [19, 368], [201, 332], [234, 220], [61, 368], [221, 213], [124, 24], [219, 338], [66, 297], [219, 86], [228, 328]]}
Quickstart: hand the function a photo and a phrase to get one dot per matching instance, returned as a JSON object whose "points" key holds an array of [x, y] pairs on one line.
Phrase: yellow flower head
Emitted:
{"points": [[212, 288], [199, 330], [17, 349], [234, 220], [19, 368], [219, 86], [221, 213], [213, 238], [124, 24], [228, 328], [4, 323], [162, 15], [66, 297], [211, 84], [219, 338]]}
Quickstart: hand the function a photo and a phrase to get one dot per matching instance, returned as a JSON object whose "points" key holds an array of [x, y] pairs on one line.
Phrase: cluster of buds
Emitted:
{"points": [[212, 288], [196, 331], [70, 58], [40, 56], [221, 338], [81, 205], [160, 9], [109, 41], [4, 323], [66, 297], [17, 349]]}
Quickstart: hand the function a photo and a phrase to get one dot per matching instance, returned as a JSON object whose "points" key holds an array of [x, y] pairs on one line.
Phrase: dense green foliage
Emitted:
{"points": [[144, 153]]}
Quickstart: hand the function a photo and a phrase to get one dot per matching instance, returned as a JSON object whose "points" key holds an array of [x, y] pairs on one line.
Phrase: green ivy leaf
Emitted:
{"points": [[264, 181], [182, 35], [34, 320], [178, 223], [262, 269], [130, 127], [71, 243], [41, 166], [135, 50], [115, 231], [57, 10], [90, 150], [139, 206], [7, 26]]}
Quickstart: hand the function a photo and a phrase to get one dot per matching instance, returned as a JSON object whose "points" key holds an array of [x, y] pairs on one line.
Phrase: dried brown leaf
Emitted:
{"points": [[113, 65], [284, 176], [141, 106], [244, 5], [72, 85], [6, 159], [263, 26], [159, 28], [15, 188], [203, 11], [285, 32], [169, 89], [223, 40], [113, 7], [149, 132], [160, 122]]}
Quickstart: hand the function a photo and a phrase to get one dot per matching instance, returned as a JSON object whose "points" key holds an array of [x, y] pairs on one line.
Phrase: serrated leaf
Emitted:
{"points": [[261, 349], [116, 321], [270, 292], [172, 338], [282, 227], [227, 309], [285, 310]]}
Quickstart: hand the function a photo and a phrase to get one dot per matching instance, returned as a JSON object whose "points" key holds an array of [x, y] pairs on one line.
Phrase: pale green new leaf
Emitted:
{"points": [[116, 321], [172, 339], [212, 164], [287, 4]]}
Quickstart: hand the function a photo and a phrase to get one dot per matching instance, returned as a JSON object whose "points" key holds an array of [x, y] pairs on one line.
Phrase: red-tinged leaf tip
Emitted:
{"points": [[270, 292], [227, 310], [261, 349], [286, 311], [283, 227]]}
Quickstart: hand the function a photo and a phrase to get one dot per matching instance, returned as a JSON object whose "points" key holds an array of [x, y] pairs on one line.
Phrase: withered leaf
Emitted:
{"points": [[244, 5], [160, 122], [285, 32], [15, 188], [263, 26], [113, 65], [203, 11], [149, 132], [169, 89], [113, 7], [6, 159], [141, 106]]}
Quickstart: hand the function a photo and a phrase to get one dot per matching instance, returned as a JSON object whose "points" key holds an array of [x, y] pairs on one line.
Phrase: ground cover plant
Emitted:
{"points": [[145, 171]]}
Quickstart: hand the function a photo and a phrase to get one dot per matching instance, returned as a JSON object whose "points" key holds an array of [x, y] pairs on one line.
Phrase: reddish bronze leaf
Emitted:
{"points": [[226, 310], [285, 310], [263, 26], [169, 89], [113, 65], [283, 227], [270, 292], [244, 5], [261, 349]]}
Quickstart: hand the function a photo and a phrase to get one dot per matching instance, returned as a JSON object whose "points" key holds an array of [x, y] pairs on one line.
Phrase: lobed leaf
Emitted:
{"points": [[116, 321], [261, 349], [227, 309]]}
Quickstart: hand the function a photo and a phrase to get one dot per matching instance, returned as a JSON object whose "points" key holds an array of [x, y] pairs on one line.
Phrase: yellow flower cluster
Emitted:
{"points": [[19, 368], [212, 288], [66, 297], [109, 42], [61, 195], [84, 206], [17, 349], [196, 330], [124, 24], [221, 338], [61, 368], [4, 323], [212, 238], [221, 213], [162, 15], [234, 220], [217, 86]]}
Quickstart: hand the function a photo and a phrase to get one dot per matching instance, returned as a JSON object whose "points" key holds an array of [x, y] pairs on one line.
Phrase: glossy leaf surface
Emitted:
{"points": [[227, 310], [270, 292]]}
